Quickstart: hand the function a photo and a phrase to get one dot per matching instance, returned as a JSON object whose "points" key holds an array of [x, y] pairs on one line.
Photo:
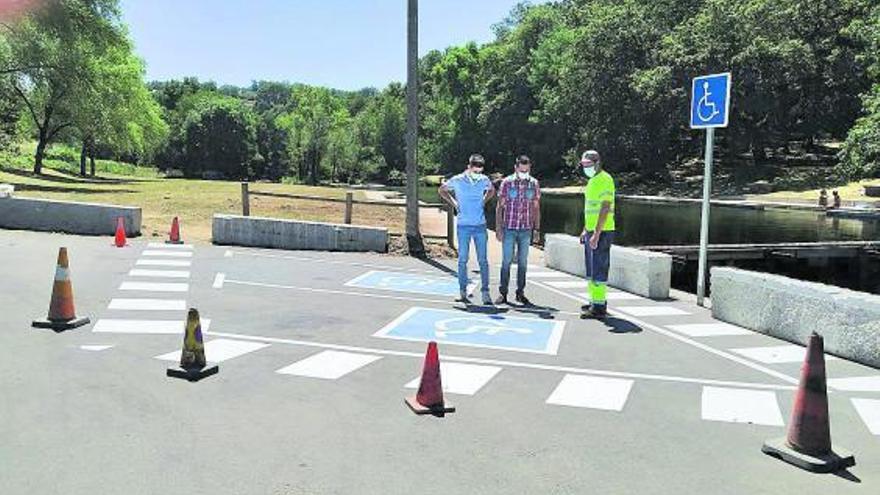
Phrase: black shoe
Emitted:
{"points": [[463, 297], [522, 299], [502, 299], [585, 310], [596, 313]]}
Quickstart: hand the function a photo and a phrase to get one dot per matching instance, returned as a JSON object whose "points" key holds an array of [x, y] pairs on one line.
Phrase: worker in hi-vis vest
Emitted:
{"points": [[598, 232]]}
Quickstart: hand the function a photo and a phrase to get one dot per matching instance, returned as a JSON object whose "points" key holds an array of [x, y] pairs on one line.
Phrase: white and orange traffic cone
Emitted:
{"points": [[193, 366], [62, 315], [429, 398]]}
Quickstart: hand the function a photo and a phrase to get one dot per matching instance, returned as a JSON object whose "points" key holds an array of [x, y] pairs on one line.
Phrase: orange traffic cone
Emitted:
{"points": [[193, 366], [62, 315], [429, 398], [120, 232], [808, 444], [174, 235]]}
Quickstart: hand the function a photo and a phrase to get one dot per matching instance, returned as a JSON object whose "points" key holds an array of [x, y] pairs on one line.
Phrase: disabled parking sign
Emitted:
{"points": [[710, 101], [476, 330], [408, 282]]}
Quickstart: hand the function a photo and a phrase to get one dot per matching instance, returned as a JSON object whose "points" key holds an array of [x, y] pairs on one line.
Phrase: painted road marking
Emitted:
{"points": [[218, 280], [869, 410], [227, 254], [462, 379], [159, 273], [154, 287], [95, 348], [591, 392], [652, 310], [148, 304], [568, 284], [548, 275], [856, 384], [170, 254], [408, 282], [508, 364], [476, 330], [169, 246], [733, 405], [329, 365], [180, 263], [709, 329], [622, 296], [146, 326], [219, 350], [776, 354], [259, 254]]}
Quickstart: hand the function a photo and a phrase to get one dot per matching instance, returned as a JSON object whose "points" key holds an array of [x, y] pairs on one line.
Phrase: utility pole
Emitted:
{"points": [[413, 235]]}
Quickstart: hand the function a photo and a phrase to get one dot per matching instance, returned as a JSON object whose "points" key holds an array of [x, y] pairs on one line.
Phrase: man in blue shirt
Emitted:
{"points": [[471, 190]]}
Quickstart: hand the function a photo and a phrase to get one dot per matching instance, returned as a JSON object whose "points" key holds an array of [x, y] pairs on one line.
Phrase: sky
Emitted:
{"points": [[343, 44]]}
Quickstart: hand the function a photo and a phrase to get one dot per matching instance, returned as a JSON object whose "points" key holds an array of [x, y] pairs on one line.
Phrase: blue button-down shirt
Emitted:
{"points": [[469, 192]]}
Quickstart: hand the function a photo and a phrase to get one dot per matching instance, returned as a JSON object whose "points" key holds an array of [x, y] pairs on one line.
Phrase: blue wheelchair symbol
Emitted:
{"points": [[710, 101], [475, 330]]}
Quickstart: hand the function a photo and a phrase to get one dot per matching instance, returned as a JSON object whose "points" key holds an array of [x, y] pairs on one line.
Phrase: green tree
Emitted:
{"points": [[218, 135]]}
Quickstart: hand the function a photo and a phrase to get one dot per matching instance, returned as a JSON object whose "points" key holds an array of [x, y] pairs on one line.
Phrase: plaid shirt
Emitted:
{"points": [[520, 196]]}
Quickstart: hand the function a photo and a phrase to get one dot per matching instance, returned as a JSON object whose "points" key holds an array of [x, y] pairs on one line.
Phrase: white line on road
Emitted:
{"points": [[227, 254], [159, 273], [163, 245], [219, 350], [333, 262], [683, 339], [856, 383], [154, 287], [709, 329], [502, 363], [462, 379], [181, 263], [652, 310], [329, 365], [148, 304], [95, 348], [160, 327], [169, 254], [741, 406], [774, 354], [869, 410], [591, 392], [218, 280]]}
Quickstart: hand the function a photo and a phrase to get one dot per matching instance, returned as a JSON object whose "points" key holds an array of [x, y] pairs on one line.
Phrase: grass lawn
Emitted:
{"points": [[193, 201]]}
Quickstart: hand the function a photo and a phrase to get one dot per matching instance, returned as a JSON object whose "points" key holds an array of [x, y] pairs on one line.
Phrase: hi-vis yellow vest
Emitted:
{"points": [[599, 189]]}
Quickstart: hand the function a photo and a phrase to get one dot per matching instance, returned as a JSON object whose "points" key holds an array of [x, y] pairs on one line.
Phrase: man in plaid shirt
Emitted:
{"points": [[518, 214]]}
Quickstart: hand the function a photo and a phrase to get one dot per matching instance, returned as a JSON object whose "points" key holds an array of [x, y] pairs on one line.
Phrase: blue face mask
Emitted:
{"points": [[590, 171]]}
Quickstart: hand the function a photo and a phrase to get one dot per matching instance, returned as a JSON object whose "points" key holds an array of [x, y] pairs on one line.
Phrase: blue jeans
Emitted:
{"points": [[480, 238], [598, 260], [521, 239]]}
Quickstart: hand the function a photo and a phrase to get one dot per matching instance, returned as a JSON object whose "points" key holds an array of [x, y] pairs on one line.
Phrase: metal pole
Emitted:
{"points": [[413, 235], [349, 196], [704, 222], [245, 200]]}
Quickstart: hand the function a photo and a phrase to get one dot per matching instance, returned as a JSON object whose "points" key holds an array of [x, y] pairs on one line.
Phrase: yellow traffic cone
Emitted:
{"points": [[193, 366]]}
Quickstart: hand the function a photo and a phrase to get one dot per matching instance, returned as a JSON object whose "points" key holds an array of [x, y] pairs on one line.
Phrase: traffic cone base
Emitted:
{"points": [[827, 463], [60, 326], [439, 410], [169, 241], [192, 374]]}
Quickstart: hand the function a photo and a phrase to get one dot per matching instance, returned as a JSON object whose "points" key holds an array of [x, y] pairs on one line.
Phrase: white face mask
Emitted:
{"points": [[590, 171], [522, 175]]}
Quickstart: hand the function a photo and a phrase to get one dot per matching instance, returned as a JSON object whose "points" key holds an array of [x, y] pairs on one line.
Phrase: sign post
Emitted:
{"points": [[710, 108]]}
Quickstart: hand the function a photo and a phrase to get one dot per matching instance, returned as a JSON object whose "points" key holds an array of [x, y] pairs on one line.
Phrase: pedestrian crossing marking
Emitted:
{"points": [[652, 310], [175, 263], [568, 284], [159, 273], [734, 405], [776, 354], [162, 245], [709, 329], [95, 348], [869, 411], [154, 287], [329, 365], [462, 379], [170, 254], [148, 304], [622, 296], [856, 383], [160, 327], [592, 392], [219, 350]]}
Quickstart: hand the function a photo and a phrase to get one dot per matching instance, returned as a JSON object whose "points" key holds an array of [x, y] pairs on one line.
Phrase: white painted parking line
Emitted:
{"points": [[329, 365], [856, 383], [162, 327], [548, 275], [622, 296], [218, 281], [159, 273], [462, 379], [733, 405], [95, 348], [591, 392], [869, 410], [169, 254], [219, 350], [776, 354], [227, 254], [148, 304], [652, 310], [154, 287], [568, 284], [179, 263], [709, 329], [162, 245]]}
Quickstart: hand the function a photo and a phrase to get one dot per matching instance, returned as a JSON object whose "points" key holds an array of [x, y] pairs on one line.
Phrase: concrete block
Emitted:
{"points": [[789, 309], [67, 216], [294, 234], [645, 273]]}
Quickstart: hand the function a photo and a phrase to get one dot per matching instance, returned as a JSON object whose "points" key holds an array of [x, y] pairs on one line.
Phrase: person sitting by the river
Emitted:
{"points": [[823, 198], [836, 199]]}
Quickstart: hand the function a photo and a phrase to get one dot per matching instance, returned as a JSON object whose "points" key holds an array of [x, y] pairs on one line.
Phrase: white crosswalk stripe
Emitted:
{"points": [[329, 365], [774, 354], [568, 284], [148, 304], [869, 411], [462, 379], [219, 350], [592, 392], [174, 263], [154, 287], [652, 310], [856, 383], [160, 327], [162, 245], [733, 405], [159, 273], [709, 329], [169, 253]]}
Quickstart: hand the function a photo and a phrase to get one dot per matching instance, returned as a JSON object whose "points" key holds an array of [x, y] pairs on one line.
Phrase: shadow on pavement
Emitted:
{"points": [[618, 325]]}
